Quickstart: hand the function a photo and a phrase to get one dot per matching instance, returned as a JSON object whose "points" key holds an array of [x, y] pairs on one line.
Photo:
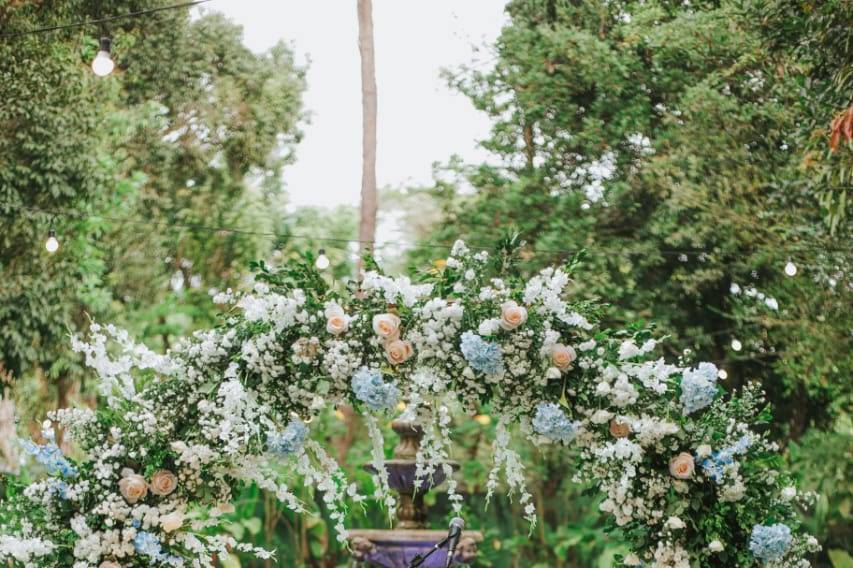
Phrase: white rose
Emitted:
{"points": [[132, 486], [789, 493], [715, 546], [681, 466], [512, 315], [172, 522], [337, 321], [386, 326], [563, 356], [488, 327], [703, 451], [601, 416], [674, 523], [163, 482], [398, 351]]}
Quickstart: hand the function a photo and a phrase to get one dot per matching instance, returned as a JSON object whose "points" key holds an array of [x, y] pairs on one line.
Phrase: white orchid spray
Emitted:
{"points": [[681, 468]]}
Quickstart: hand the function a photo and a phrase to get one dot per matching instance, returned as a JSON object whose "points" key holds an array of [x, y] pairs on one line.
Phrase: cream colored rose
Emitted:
{"points": [[172, 522], [109, 564], [132, 487], [681, 466], [619, 429], [337, 321], [386, 326], [225, 508], [163, 482], [398, 351], [512, 315], [563, 356]]}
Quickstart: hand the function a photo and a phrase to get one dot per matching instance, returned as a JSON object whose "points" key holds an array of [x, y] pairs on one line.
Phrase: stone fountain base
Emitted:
{"points": [[395, 548]]}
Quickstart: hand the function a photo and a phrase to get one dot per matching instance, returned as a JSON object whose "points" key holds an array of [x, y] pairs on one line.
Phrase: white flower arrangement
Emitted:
{"points": [[178, 433]]}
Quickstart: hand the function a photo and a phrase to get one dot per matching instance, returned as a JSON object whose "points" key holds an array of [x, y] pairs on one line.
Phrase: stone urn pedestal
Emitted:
{"points": [[395, 548]]}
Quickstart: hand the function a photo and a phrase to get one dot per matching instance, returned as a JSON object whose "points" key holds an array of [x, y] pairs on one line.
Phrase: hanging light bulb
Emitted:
{"points": [[736, 344], [791, 269], [103, 64], [322, 261], [51, 244]]}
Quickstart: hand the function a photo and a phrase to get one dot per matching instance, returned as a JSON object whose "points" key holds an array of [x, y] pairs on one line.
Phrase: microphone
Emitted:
{"points": [[456, 526]]}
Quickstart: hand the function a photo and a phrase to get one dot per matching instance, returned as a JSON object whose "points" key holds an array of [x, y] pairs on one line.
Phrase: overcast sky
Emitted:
{"points": [[420, 119]]}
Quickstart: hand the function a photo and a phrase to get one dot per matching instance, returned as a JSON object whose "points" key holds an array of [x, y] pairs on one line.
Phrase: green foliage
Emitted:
{"points": [[191, 130], [703, 127]]}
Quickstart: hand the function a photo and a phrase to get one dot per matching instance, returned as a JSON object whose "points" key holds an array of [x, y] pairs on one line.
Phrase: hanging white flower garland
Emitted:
{"points": [[179, 433]]}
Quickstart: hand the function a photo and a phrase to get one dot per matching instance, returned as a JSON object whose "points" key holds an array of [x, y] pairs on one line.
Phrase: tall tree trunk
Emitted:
{"points": [[369, 202]]}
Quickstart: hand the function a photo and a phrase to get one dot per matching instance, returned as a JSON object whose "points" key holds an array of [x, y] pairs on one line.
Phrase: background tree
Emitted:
{"points": [[369, 203], [190, 131], [686, 151]]}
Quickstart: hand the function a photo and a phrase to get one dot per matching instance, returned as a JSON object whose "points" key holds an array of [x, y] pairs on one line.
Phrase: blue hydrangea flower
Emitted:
{"points": [[369, 388], [51, 457], [147, 544], [58, 487], [770, 543], [481, 355], [289, 440], [551, 422], [715, 464], [708, 371], [698, 387]]}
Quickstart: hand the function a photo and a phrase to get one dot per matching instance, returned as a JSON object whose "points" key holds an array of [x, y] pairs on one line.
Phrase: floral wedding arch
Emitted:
{"points": [[681, 469]]}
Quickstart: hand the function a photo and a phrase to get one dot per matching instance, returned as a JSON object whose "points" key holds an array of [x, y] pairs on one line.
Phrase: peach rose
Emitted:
{"points": [[563, 356], [387, 326], [225, 508], [132, 486], [163, 482], [619, 429], [337, 321], [681, 466], [109, 564], [172, 522], [512, 315], [398, 351]]}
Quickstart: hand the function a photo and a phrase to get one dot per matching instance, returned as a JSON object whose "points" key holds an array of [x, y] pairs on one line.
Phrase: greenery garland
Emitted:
{"points": [[683, 471]]}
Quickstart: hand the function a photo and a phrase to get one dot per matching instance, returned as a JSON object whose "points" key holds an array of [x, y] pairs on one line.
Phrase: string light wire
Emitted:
{"points": [[70, 213], [101, 21]]}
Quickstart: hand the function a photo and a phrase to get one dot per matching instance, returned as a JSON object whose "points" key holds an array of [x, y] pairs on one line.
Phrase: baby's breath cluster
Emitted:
{"points": [[681, 469]]}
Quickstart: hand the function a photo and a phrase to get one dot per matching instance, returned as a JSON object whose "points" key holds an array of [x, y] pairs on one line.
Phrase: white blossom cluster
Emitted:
{"points": [[179, 432]]}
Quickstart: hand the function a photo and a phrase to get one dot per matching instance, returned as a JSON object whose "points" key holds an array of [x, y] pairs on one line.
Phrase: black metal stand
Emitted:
{"points": [[419, 560]]}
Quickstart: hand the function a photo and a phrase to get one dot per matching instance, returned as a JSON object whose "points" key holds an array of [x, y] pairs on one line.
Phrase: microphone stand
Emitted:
{"points": [[418, 560]]}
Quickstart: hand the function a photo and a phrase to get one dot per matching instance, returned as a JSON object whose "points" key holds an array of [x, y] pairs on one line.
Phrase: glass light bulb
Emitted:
{"points": [[103, 64], [322, 261], [737, 345], [791, 269], [52, 245]]}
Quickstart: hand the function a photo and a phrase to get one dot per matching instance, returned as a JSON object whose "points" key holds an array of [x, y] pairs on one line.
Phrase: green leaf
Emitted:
{"points": [[253, 524], [840, 558]]}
